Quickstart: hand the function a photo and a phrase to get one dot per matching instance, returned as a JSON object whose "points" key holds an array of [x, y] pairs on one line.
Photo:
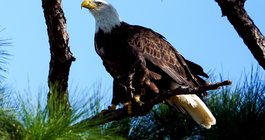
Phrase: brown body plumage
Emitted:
{"points": [[127, 45]]}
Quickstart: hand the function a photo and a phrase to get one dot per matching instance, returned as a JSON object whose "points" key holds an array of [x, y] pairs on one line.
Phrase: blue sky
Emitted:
{"points": [[195, 28]]}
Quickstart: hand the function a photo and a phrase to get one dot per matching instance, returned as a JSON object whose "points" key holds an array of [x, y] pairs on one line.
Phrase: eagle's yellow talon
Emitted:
{"points": [[112, 107], [137, 99]]}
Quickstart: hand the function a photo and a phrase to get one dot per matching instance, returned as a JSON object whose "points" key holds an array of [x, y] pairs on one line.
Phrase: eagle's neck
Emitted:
{"points": [[107, 20]]}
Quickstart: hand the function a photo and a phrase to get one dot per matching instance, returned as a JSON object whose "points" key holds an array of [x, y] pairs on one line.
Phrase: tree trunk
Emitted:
{"points": [[251, 35], [61, 56]]}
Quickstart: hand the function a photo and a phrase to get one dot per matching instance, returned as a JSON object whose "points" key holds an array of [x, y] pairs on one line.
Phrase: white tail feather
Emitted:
{"points": [[195, 107]]}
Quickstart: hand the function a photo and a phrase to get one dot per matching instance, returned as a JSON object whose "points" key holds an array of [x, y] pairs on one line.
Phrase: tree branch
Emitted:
{"points": [[108, 115], [61, 56], [245, 27]]}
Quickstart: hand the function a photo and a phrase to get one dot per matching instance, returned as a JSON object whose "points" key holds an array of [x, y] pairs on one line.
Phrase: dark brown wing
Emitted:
{"points": [[155, 49], [196, 69]]}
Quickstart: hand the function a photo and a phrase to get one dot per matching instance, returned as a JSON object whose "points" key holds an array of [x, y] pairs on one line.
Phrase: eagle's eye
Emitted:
{"points": [[99, 4]]}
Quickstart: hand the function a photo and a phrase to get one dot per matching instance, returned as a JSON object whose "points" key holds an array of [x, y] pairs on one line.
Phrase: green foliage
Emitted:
{"points": [[10, 127], [240, 112], [2, 96], [117, 128], [3, 55], [162, 123], [3, 61], [34, 122]]}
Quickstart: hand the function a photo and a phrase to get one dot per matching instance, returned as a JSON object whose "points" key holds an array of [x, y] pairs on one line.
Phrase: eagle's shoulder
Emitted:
{"points": [[156, 50]]}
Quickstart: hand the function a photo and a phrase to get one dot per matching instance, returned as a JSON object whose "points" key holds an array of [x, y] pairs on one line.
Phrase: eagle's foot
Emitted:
{"points": [[128, 105], [110, 108], [137, 100]]}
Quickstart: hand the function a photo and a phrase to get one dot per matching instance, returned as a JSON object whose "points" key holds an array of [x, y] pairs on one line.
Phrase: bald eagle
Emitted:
{"points": [[147, 61]]}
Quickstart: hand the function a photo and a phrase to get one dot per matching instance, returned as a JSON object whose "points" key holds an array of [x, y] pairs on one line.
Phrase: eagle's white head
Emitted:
{"points": [[105, 14]]}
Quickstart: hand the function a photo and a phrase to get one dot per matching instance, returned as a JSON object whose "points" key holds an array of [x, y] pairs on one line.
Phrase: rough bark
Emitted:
{"points": [[61, 56], [245, 27], [108, 116]]}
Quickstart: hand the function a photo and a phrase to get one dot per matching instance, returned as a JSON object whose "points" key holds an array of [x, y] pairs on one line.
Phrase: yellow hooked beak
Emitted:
{"points": [[88, 4]]}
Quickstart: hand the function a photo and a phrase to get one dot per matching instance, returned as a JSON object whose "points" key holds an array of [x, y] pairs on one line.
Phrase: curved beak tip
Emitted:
{"points": [[88, 4]]}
